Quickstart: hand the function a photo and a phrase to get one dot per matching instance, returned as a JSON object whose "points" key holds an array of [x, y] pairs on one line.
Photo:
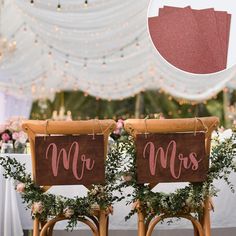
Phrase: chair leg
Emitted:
{"points": [[50, 230], [103, 223], [195, 231], [107, 225], [36, 227], [141, 224], [206, 222]]}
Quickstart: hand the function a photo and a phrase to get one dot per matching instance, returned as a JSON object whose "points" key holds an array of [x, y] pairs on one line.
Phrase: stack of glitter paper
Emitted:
{"points": [[195, 41]]}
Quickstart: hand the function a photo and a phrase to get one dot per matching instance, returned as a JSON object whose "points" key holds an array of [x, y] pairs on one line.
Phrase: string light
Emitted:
{"points": [[121, 53], [85, 63], [58, 6], [66, 63], [137, 42], [104, 61]]}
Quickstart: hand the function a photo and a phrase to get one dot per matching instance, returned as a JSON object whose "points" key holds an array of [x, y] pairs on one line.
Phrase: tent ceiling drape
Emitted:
{"points": [[102, 49]]}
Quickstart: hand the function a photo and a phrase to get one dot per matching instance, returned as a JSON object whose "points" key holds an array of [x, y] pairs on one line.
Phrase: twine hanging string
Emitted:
{"points": [[100, 126], [146, 129], [94, 129], [203, 124], [46, 129]]}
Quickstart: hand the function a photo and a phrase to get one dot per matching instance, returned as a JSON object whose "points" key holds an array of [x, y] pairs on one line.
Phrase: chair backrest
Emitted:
{"points": [[160, 142], [43, 133]]}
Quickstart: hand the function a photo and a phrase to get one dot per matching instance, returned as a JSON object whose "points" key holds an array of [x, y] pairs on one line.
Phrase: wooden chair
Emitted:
{"points": [[137, 126], [98, 223]]}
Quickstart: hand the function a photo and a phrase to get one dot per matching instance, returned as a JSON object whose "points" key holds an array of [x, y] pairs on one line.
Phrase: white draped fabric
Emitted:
{"points": [[102, 49], [10, 223], [14, 106]]}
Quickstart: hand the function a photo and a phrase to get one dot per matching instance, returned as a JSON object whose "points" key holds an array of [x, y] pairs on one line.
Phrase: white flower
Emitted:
{"points": [[221, 136], [189, 201], [234, 164], [22, 137], [225, 135], [68, 212]]}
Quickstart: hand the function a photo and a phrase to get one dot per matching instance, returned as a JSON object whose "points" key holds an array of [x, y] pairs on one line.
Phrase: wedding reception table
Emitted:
{"points": [[14, 218]]}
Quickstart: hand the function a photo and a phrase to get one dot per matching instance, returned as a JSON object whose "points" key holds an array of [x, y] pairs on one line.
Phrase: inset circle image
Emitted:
{"points": [[194, 36]]}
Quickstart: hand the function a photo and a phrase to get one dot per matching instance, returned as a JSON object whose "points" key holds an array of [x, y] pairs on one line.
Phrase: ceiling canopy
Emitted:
{"points": [[102, 48]]}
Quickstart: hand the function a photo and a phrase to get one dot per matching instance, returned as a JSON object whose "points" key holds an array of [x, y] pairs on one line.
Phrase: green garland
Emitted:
{"points": [[46, 205], [187, 199]]}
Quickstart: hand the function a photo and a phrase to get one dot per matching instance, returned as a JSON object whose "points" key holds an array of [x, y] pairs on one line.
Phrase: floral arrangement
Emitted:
{"points": [[12, 133], [187, 199]]}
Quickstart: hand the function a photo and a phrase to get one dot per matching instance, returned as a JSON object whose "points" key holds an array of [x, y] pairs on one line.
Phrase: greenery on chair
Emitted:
{"points": [[187, 199]]}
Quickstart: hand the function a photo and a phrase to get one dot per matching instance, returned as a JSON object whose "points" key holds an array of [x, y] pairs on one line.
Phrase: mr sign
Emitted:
{"points": [[64, 160], [174, 157]]}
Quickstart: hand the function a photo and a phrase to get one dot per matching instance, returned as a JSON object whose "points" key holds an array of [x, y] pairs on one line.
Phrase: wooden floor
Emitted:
{"points": [[186, 232]]}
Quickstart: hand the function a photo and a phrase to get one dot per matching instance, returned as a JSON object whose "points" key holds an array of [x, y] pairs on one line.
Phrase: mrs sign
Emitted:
{"points": [[62, 160], [171, 157]]}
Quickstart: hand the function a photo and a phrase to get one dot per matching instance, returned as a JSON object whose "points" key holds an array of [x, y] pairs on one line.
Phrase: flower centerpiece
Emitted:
{"points": [[12, 137]]}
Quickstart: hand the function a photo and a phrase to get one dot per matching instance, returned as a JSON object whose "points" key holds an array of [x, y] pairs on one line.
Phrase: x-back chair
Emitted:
{"points": [[141, 126], [98, 223]]}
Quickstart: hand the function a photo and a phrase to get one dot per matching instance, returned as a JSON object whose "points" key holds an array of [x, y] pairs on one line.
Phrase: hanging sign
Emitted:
{"points": [[67, 160], [172, 157]]}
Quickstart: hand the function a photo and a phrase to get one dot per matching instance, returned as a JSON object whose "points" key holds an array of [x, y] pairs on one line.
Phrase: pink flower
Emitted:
{"points": [[37, 207], [119, 126], [161, 117], [5, 137], [221, 129], [15, 135], [127, 178], [20, 188]]}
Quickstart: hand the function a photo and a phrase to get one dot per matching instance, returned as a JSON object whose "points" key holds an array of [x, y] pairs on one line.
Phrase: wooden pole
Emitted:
{"points": [[135, 126], [36, 227], [206, 218], [141, 224], [102, 224]]}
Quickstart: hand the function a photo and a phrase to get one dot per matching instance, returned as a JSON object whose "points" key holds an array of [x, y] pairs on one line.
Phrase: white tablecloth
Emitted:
{"points": [[14, 217]]}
